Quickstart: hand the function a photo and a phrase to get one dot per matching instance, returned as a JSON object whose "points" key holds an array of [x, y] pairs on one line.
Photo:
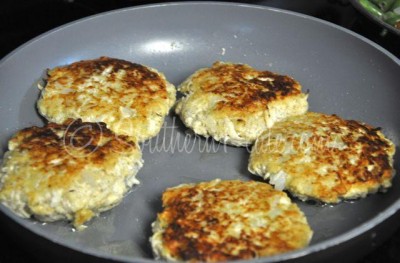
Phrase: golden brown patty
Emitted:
{"points": [[227, 220], [70, 171], [324, 157], [234, 103], [130, 98]]}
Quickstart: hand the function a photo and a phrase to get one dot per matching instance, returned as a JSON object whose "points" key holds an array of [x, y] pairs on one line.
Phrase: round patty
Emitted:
{"points": [[67, 171], [234, 103], [131, 99], [227, 220], [324, 157]]}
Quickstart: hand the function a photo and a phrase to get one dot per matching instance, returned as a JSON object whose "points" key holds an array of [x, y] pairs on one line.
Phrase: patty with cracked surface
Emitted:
{"points": [[324, 157], [70, 171], [130, 98], [219, 220], [234, 103]]}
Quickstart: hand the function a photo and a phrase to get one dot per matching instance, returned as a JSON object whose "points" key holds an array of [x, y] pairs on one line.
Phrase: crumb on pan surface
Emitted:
{"points": [[234, 103], [227, 220], [68, 171], [324, 157], [130, 98]]}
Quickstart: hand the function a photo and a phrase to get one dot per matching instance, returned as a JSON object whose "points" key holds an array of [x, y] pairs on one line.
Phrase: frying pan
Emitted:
{"points": [[345, 73]]}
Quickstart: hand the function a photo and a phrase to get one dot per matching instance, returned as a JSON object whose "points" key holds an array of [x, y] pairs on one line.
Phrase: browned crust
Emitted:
{"points": [[366, 146], [71, 146], [243, 87], [375, 150], [189, 228], [136, 77]]}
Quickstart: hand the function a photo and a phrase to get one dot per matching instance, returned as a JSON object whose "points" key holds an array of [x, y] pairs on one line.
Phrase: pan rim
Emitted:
{"points": [[323, 245]]}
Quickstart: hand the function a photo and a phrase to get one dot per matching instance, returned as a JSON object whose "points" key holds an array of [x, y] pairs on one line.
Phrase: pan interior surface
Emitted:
{"points": [[344, 73]]}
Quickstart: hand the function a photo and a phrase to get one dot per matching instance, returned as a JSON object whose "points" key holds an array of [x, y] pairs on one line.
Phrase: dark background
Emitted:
{"points": [[22, 20]]}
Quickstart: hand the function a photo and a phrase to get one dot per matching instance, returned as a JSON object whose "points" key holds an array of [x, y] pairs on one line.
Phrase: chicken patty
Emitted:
{"points": [[130, 98], [227, 220], [234, 103], [324, 157], [69, 171]]}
